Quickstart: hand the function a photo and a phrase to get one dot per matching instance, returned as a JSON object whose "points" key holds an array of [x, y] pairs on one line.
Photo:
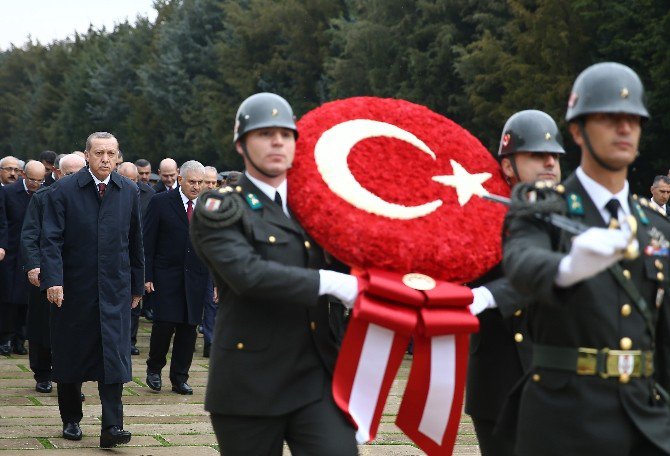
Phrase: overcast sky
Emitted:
{"points": [[49, 20]]}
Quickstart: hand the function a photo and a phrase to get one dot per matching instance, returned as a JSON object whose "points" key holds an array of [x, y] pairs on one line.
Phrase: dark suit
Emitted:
{"points": [[160, 187], [500, 353], [180, 281], [38, 304], [49, 179], [92, 247], [146, 192], [274, 349], [587, 414], [15, 289]]}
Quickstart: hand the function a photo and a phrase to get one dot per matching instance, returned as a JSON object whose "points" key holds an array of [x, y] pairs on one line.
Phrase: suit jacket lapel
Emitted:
{"points": [[271, 212], [177, 205], [591, 215]]}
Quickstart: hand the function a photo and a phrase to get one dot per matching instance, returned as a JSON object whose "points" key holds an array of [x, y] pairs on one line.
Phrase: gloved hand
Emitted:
{"points": [[483, 299], [593, 251], [343, 286]]}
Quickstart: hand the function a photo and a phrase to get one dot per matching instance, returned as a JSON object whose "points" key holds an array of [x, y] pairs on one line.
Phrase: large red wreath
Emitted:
{"points": [[454, 243]]}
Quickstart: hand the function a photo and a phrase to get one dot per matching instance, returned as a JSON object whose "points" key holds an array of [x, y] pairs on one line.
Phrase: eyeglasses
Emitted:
{"points": [[35, 181], [10, 169]]}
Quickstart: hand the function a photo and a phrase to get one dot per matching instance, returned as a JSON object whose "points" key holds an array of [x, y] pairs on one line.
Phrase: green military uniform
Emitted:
{"points": [[566, 412], [273, 348]]}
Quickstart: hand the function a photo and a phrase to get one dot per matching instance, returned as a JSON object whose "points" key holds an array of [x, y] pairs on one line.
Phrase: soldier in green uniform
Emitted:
{"points": [[599, 318], [530, 147], [273, 348]]}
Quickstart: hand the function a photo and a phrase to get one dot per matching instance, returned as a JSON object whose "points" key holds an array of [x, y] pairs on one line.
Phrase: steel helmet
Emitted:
{"points": [[263, 110], [530, 131]]}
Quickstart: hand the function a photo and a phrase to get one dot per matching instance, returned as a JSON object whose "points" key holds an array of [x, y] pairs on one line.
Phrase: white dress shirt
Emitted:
{"points": [[663, 208], [98, 181], [270, 191], [601, 196], [184, 200]]}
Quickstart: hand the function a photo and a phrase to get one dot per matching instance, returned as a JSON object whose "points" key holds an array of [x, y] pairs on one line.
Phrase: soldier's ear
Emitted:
{"points": [[506, 167], [576, 134], [238, 148]]}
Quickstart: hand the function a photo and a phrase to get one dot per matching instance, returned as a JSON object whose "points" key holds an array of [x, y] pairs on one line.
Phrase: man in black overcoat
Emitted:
{"points": [[175, 278], [15, 289], [599, 309], [130, 170], [168, 171], [38, 305], [93, 271], [273, 348], [500, 353]]}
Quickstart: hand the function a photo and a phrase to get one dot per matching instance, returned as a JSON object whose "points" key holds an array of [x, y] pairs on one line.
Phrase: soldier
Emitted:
{"points": [[530, 146], [273, 351], [599, 320]]}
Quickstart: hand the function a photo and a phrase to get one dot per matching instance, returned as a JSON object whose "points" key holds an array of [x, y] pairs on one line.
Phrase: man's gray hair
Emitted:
{"points": [[4, 160], [191, 165], [211, 168], [98, 135], [58, 159], [22, 164], [664, 179]]}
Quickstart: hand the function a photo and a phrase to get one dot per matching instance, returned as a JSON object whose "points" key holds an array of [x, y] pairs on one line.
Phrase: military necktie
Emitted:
{"points": [[612, 207]]}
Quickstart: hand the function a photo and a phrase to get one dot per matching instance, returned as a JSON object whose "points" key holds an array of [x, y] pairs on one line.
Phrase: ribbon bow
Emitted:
{"points": [[390, 309]]}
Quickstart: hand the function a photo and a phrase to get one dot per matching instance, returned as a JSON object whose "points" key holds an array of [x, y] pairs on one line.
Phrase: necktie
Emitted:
{"points": [[279, 201], [189, 210], [101, 189], [612, 207]]}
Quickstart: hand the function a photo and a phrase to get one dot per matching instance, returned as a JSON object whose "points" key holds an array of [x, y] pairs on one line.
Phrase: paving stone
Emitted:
{"points": [[389, 450], [132, 451], [194, 439], [94, 441], [20, 444]]}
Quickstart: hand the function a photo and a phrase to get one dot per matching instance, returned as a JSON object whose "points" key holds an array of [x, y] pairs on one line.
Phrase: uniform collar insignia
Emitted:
{"points": [[253, 201], [575, 205]]}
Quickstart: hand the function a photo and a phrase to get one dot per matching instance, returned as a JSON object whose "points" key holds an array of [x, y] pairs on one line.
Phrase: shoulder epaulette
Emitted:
{"points": [[640, 213], [219, 208]]}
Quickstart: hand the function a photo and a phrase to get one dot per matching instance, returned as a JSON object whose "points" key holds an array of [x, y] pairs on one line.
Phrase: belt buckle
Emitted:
{"points": [[586, 361], [619, 362]]}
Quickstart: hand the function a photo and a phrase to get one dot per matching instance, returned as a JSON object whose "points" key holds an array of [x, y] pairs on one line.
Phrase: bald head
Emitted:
{"points": [[34, 172], [167, 170], [129, 170], [71, 163]]}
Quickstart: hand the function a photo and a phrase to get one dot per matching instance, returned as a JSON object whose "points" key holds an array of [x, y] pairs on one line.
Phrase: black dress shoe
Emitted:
{"points": [[205, 349], [6, 349], [134, 350], [154, 381], [43, 387], [72, 431], [20, 349], [113, 436], [182, 388], [149, 314]]}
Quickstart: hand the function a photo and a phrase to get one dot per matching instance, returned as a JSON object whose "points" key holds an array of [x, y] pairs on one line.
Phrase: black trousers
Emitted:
{"points": [[13, 324], [135, 323], [319, 428], [182, 349], [39, 349], [69, 403], [490, 443]]}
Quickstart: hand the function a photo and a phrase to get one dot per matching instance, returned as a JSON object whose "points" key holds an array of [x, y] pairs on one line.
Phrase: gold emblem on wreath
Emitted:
{"points": [[419, 282]]}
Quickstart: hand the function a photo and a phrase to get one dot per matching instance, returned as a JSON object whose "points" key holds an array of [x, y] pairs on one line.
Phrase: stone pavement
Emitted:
{"points": [[162, 423]]}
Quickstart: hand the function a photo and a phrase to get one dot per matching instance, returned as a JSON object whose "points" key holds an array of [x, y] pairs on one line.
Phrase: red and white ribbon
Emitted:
{"points": [[387, 313]]}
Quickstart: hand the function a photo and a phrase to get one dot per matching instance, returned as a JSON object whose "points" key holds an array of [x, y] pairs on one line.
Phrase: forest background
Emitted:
{"points": [[170, 88]]}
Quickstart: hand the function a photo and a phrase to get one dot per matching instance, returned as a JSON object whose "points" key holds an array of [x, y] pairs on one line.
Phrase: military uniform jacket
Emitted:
{"points": [[587, 414], [500, 352], [273, 349]]}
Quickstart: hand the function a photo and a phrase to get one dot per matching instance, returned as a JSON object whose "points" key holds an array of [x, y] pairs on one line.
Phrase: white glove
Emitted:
{"points": [[483, 299], [593, 251], [343, 286]]}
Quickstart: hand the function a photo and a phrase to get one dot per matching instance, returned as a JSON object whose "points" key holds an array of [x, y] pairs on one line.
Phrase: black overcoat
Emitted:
{"points": [[16, 201], [93, 248], [179, 277]]}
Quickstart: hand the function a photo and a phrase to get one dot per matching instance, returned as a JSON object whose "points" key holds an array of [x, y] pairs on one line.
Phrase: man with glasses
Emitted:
{"points": [[15, 290], [175, 278], [9, 170], [38, 305]]}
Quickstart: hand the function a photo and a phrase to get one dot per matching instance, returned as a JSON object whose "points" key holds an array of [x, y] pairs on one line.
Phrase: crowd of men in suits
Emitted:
{"points": [[47, 231]]}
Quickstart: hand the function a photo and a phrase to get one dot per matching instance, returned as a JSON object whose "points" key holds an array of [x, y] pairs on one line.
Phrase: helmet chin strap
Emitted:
{"points": [[248, 157], [512, 161], [589, 147]]}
